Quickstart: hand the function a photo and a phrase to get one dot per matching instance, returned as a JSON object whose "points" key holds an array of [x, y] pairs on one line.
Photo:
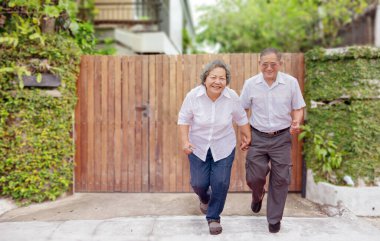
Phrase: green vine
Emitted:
{"points": [[322, 151], [342, 92], [36, 144]]}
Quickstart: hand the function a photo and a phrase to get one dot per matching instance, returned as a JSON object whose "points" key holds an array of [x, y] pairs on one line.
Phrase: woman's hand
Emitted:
{"points": [[188, 148]]}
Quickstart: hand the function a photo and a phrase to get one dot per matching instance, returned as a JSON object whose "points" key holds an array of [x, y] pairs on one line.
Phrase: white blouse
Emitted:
{"points": [[211, 122]]}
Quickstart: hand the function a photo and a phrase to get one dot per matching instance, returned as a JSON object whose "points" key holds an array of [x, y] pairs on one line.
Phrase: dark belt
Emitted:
{"points": [[274, 133]]}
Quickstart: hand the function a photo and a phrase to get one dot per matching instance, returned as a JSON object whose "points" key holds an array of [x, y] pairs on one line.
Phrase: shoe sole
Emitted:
{"points": [[216, 231]]}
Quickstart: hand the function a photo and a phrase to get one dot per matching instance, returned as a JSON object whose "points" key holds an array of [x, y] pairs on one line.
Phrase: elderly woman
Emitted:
{"points": [[209, 139]]}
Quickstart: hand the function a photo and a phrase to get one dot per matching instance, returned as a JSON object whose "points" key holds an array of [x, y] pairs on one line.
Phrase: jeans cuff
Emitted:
{"points": [[213, 220]]}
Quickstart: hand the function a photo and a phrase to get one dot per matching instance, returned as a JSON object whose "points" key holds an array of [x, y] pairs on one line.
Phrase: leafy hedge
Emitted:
{"points": [[36, 143], [35, 128], [342, 91]]}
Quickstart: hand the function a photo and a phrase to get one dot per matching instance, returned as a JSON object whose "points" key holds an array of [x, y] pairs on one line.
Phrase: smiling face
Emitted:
{"points": [[269, 66], [215, 82]]}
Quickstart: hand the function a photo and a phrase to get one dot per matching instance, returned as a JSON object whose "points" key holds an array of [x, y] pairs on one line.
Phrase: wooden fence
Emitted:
{"points": [[126, 135]]}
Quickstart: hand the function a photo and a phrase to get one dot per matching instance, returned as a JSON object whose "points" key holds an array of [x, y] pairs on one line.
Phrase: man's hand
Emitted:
{"points": [[295, 127], [297, 116]]}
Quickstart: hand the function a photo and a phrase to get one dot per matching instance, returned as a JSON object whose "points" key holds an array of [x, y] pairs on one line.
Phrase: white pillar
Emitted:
{"points": [[377, 27]]}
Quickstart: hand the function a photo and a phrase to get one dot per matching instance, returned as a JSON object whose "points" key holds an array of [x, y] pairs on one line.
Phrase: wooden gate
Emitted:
{"points": [[126, 135]]}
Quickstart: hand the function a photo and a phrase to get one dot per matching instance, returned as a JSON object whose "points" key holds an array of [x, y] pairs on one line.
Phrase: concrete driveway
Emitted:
{"points": [[135, 216]]}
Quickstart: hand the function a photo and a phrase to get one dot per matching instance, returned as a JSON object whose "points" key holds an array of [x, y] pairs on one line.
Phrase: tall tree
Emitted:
{"points": [[290, 25]]}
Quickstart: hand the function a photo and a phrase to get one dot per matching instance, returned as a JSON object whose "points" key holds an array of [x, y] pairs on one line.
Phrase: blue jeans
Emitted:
{"points": [[211, 174]]}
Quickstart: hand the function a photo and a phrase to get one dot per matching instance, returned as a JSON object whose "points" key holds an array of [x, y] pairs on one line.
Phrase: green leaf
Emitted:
{"points": [[74, 27], [7, 70], [51, 11], [21, 84], [34, 36], [39, 77], [302, 135]]}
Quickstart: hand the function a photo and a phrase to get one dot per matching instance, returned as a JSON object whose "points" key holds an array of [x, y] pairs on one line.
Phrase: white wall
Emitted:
{"points": [[176, 23]]}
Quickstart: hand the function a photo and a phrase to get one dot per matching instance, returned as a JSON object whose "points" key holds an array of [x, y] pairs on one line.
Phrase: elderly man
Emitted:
{"points": [[276, 104]]}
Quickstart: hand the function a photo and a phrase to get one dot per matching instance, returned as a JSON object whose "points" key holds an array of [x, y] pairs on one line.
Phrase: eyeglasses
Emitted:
{"points": [[271, 64]]}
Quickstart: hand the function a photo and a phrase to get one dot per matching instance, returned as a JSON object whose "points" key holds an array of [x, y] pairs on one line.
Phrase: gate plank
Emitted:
{"points": [[159, 126], [104, 123], [132, 122], [98, 123], [165, 118], [125, 125], [90, 122], [138, 121], [181, 158], [84, 128], [172, 124], [152, 123], [111, 125], [145, 126], [117, 131]]}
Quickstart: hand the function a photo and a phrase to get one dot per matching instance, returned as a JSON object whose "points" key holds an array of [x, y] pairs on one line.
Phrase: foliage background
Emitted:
{"points": [[345, 89], [289, 25], [36, 145]]}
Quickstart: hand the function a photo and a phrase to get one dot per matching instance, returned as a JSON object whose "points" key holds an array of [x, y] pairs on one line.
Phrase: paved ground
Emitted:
{"points": [[165, 217], [96, 206]]}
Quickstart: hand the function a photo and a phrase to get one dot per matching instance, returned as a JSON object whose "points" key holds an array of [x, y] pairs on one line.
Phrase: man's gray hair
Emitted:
{"points": [[215, 64], [271, 51]]}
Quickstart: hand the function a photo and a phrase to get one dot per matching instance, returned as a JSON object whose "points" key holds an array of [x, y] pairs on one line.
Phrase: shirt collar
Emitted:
{"points": [[202, 91], [279, 79]]}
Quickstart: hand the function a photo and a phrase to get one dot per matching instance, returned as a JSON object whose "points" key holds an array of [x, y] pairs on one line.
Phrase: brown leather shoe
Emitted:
{"points": [[203, 207], [215, 227], [274, 228], [256, 207]]}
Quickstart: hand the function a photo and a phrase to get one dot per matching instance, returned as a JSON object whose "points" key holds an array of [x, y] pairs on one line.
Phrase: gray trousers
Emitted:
{"points": [[276, 151]]}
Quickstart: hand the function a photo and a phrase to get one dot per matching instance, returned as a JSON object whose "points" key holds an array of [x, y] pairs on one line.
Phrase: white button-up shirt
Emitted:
{"points": [[271, 107], [211, 122]]}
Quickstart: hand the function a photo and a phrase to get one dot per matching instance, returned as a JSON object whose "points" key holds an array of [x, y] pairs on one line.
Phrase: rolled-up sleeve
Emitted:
{"points": [[297, 100], [185, 114], [239, 115], [244, 97]]}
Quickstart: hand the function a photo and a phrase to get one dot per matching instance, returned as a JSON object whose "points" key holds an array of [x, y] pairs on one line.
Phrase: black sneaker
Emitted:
{"points": [[256, 207], [274, 228]]}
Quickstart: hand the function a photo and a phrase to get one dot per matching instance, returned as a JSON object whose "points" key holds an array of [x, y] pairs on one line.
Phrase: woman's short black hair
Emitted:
{"points": [[212, 65]]}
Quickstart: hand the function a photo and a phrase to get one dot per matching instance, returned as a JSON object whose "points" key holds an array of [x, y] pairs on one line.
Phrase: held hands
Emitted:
{"points": [[245, 141], [295, 127], [245, 137]]}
